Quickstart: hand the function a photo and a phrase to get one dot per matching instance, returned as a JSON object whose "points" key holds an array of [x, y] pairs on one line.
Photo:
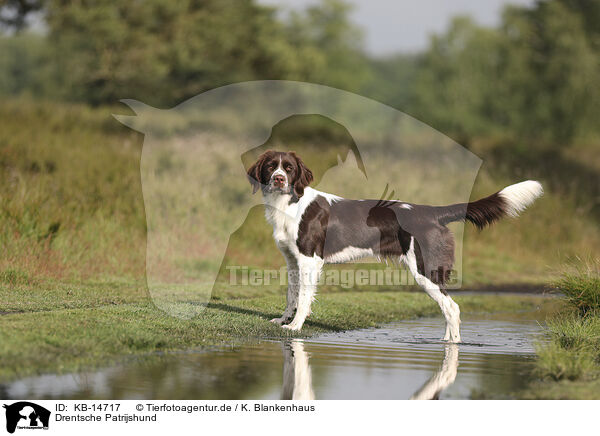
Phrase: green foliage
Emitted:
{"points": [[392, 80], [533, 78], [556, 363], [26, 66], [161, 51], [457, 81], [582, 290], [573, 352], [333, 45], [559, 64], [575, 333]]}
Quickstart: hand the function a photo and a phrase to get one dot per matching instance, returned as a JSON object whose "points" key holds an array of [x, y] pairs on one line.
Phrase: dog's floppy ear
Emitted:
{"points": [[303, 178], [255, 171]]}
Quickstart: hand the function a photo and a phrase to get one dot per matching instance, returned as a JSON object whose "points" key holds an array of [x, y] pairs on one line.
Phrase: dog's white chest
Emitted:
{"points": [[283, 217]]}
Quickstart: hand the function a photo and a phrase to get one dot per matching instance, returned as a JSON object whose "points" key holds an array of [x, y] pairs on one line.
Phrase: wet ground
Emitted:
{"points": [[403, 360]]}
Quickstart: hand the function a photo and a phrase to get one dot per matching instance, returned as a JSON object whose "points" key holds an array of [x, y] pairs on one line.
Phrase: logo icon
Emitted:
{"points": [[26, 415]]}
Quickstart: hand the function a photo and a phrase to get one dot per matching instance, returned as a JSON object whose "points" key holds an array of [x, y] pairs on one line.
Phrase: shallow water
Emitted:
{"points": [[403, 360]]}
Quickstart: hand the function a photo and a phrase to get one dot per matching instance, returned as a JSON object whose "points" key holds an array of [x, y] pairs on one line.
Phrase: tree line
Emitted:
{"points": [[535, 76]]}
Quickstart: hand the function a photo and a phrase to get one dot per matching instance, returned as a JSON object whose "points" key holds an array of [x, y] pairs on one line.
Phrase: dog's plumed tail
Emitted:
{"points": [[511, 201]]}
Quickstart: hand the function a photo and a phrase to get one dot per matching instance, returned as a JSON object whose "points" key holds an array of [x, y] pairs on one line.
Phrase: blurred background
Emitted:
{"points": [[516, 82]]}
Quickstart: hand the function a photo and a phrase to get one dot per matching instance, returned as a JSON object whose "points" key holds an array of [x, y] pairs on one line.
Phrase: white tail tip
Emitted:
{"points": [[520, 195]]}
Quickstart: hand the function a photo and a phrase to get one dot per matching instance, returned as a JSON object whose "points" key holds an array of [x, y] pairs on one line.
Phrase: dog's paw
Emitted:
{"points": [[295, 327], [279, 321]]}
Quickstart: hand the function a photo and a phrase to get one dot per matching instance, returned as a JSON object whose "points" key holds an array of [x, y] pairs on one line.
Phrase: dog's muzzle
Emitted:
{"points": [[279, 183]]}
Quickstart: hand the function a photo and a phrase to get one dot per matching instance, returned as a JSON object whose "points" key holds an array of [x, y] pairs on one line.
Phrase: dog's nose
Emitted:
{"points": [[279, 180]]}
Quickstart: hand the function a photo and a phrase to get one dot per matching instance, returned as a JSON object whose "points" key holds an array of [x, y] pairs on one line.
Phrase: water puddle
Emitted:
{"points": [[403, 360]]}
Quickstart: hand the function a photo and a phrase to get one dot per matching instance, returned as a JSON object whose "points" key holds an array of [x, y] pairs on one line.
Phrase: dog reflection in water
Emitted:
{"points": [[297, 378], [443, 378]]}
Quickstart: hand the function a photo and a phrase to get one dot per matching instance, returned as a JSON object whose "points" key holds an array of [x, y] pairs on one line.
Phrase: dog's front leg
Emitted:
{"points": [[309, 269], [292, 290]]}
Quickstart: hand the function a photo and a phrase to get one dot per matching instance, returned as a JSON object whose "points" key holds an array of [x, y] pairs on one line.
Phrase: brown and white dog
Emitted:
{"points": [[312, 228]]}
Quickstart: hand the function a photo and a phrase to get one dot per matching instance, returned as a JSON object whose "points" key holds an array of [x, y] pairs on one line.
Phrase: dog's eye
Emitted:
{"points": [[288, 168]]}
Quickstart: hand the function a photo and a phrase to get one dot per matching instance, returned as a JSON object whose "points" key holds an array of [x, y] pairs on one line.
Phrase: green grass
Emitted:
{"points": [[573, 352], [568, 366], [582, 290], [54, 295], [94, 332], [563, 390]]}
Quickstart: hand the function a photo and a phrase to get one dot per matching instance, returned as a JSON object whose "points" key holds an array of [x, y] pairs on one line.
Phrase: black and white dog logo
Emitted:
{"points": [[26, 415]]}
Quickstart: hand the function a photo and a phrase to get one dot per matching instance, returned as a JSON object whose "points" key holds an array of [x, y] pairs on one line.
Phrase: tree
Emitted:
{"points": [[550, 71], [162, 51], [457, 81], [534, 78], [331, 46]]}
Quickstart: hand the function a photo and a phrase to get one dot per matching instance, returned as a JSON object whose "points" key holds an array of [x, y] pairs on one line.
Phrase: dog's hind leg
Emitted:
{"points": [[449, 308], [452, 307], [455, 316]]}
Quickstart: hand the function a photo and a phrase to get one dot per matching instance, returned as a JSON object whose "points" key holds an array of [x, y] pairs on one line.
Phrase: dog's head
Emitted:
{"points": [[280, 172]]}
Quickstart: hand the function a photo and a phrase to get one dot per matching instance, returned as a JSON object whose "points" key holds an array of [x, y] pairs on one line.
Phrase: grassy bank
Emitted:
{"points": [[39, 340], [569, 364]]}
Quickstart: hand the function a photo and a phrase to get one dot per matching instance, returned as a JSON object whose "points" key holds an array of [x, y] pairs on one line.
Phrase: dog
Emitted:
{"points": [[312, 228]]}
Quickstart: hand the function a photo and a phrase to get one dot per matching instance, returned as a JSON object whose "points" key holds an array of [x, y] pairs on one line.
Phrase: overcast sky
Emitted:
{"points": [[393, 26]]}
